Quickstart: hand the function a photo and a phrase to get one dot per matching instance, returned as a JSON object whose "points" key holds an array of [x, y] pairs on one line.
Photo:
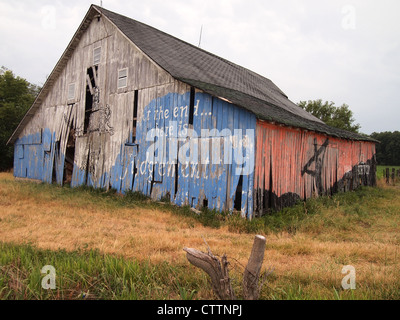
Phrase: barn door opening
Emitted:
{"points": [[53, 155], [238, 195], [69, 157], [92, 95]]}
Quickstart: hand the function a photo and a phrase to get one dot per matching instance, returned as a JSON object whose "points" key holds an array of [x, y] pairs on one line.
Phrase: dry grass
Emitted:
{"points": [[307, 263], [141, 233]]}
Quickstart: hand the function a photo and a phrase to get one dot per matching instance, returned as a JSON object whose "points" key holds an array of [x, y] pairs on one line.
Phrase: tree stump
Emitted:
{"points": [[216, 269]]}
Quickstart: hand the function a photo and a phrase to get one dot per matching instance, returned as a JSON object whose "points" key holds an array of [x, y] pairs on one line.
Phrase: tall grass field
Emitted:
{"points": [[104, 246]]}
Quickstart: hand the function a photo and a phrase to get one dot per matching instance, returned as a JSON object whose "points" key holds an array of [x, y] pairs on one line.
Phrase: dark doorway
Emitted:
{"points": [[238, 195], [69, 157], [91, 95]]}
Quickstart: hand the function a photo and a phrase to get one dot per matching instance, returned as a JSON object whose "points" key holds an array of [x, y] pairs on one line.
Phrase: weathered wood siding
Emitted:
{"points": [[46, 134], [111, 148], [293, 164]]}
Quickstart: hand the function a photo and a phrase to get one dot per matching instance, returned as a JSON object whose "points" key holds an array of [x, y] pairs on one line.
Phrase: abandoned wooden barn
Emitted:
{"points": [[129, 107]]}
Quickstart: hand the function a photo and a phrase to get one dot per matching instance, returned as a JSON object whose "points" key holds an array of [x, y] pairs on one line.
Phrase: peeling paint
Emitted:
{"points": [[294, 165]]}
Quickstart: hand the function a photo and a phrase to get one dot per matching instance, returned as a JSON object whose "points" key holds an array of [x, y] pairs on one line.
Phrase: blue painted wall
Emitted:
{"points": [[165, 139], [152, 164]]}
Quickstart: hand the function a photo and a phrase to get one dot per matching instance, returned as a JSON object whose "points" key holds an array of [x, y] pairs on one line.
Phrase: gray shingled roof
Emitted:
{"points": [[220, 77]]}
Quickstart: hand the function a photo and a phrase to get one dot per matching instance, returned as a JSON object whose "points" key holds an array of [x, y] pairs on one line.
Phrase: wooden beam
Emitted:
{"points": [[89, 83]]}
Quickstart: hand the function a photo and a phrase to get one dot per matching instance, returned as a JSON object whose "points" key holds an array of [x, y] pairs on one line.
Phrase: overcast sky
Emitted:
{"points": [[340, 51]]}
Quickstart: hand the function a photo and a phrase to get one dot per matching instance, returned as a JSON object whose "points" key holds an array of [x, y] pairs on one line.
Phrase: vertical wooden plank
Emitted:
{"points": [[251, 165], [235, 171], [204, 109], [196, 165], [229, 116]]}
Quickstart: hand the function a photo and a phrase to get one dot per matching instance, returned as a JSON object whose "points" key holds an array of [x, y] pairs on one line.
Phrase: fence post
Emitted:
{"points": [[251, 289], [387, 176], [393, 174]]}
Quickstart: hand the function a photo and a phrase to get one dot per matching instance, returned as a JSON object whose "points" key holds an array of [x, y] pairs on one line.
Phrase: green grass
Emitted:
{"points": [[90, 275], [340, 212], [379, 170]]}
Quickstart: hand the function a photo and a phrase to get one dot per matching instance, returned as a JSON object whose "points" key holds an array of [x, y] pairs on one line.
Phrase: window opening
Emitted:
{"points": [[122, 78], [96, 56], [71, 91]]}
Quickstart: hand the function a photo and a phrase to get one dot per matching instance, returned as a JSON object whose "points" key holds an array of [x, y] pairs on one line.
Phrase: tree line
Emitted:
{"points": [[388, 150], [16, 97]]}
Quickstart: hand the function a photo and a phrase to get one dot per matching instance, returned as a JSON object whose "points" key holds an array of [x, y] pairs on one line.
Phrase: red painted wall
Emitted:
{"points": [[293, 164]]}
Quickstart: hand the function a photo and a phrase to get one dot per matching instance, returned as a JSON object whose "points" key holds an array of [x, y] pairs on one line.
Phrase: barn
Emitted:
{"points": [[131, 108]]}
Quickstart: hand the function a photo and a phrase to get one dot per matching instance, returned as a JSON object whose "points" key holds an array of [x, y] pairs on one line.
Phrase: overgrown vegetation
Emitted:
{"points": [[307, 245]]}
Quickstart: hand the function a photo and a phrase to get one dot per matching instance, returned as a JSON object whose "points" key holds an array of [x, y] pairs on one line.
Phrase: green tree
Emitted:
{"points": [[339, 117], [16, 96], [388, 150]]}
